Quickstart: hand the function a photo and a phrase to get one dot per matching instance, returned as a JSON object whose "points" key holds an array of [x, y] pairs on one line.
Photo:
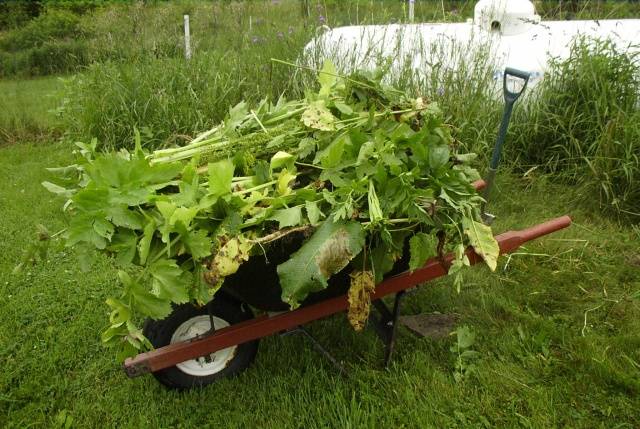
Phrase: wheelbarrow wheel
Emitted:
{"points": [[187, 321]]}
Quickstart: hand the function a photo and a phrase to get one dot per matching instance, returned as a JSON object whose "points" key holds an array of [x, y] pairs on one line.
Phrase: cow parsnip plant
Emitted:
{"points": [[359, 166]]}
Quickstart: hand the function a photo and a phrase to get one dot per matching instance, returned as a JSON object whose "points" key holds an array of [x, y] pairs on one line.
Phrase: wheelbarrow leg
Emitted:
{"points": [[386, 325], [319, 348]]}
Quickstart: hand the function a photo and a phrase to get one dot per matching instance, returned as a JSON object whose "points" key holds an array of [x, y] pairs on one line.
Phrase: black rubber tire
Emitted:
{"points": [[159, 333]]}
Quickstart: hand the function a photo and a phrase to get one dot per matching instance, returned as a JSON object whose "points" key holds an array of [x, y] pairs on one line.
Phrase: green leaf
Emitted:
{"points": [[220, 177], [81, 230], [169, 281], [124, 245], [52, 187], [459, 262], [287, 217], [120, 312], [328, 251], [438, 156], [284, 179], [482, 240], [327, 77], [306, 147], [465, 337], [184, 215], [375, 212], [148, 303], [366, 152], [236, 116], [343, 108], [197, 242], [262, 172], [86, 256], [466, 157], [384, 255], [145, 242], [313, 212], [422, 247], [120, 215], [166, 209], [103, 228], [282, 159], [331, 156]]}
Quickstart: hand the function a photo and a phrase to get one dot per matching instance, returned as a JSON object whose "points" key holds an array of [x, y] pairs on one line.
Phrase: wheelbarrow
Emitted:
{"points": [[196, 346]]}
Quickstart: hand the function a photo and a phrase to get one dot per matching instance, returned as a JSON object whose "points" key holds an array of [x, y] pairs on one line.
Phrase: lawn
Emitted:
{"points": [[557, 334], [26, 108]]}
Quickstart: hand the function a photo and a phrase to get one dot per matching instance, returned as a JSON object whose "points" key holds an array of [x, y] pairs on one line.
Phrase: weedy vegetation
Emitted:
{"points": [[583, 126], [315, 166]]}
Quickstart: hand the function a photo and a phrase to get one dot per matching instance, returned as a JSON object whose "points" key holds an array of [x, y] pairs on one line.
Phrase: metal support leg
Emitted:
{"points": [[318, 347], [386, 325], [393, 328]]}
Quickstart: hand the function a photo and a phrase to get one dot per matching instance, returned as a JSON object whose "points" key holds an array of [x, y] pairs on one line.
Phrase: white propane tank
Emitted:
{"points": [[509, 31], [507, 17]]}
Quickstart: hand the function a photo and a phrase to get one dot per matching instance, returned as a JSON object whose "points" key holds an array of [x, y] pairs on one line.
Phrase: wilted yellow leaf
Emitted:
{"points": [[362, 285]]}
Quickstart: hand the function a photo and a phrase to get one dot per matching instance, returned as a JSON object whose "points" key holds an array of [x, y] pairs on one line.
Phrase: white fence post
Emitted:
{"points": [[411, 10], [187, 38]]}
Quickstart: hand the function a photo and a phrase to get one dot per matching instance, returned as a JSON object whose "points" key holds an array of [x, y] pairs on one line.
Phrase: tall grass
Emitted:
{"points": [[172, 98], [583, 126]]}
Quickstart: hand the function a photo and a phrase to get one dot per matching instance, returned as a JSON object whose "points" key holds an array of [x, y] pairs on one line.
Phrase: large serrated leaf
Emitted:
{"points": [[287, 217], [197, 242], [169, 281], [120, 215], [327, 252], [148, 303], [422, 247], [482, 240], [123, 245]]}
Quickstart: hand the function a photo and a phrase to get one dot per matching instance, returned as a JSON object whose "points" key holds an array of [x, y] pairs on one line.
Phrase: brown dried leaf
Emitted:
{"points": [[362, 285]]}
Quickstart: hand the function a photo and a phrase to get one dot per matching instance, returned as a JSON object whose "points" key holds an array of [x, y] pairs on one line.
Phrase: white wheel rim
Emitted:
{"points": [[206, 365]]}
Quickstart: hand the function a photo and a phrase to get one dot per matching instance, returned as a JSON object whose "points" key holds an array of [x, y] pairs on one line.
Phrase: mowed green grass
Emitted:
{"points": [[26, 108], [557, 331]]}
